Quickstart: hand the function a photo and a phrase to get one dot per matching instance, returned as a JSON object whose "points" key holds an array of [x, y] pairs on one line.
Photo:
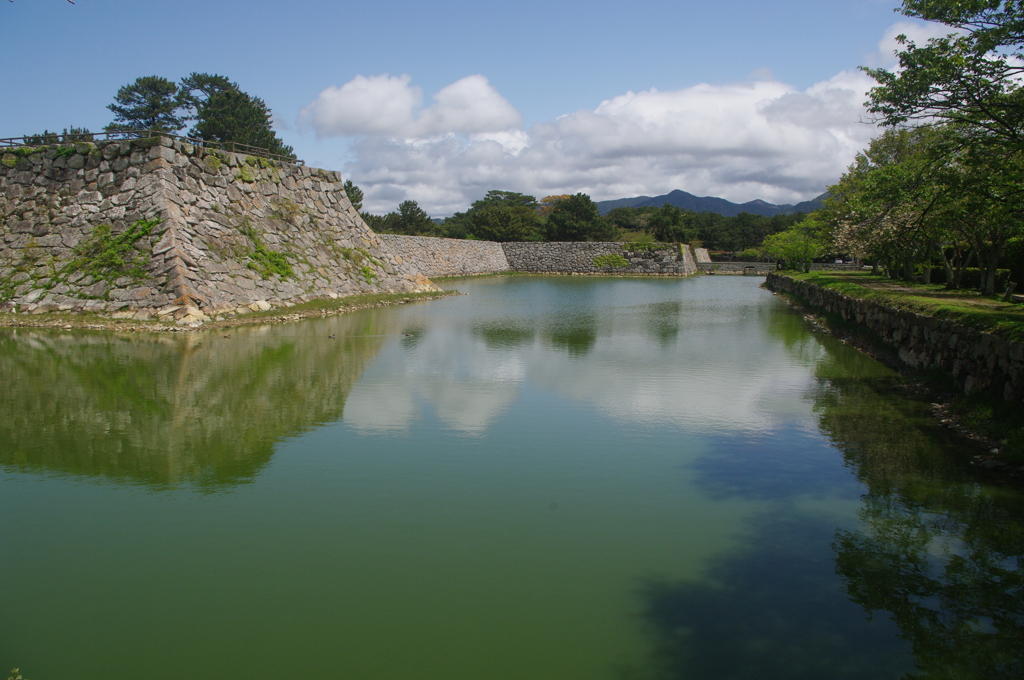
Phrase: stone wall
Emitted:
{"points": [[736, 268], [433, 256], [578, 258], [975, 359], [235, 232]]}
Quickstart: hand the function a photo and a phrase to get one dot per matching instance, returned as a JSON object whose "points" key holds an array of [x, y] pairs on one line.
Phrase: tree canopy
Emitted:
{"points": [[221, 112], [945, 182], [149, 103], [970, 76]]}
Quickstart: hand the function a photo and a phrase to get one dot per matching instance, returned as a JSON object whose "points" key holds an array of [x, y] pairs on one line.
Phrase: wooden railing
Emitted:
{"points": [[71, 138]]}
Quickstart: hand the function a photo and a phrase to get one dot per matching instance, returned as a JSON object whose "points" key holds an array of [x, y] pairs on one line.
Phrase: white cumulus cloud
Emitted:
{"points": [[759, 139], [389, 106], [917, 32]]}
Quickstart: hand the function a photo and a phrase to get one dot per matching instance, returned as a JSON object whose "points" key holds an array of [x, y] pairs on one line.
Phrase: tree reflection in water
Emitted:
{"points": [[161, 409], [937, 552]]}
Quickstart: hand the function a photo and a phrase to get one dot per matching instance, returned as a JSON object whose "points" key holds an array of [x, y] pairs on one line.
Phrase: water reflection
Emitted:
{"points": [[684, 354], [939, 553], [162, 409], [770, 611], [934, 564]]}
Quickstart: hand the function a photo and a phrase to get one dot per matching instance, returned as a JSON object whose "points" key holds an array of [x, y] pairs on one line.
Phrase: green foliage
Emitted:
{"points": [[362, 260], [245, 174], [107, 256], [668, 223], [73, 134], [354, 193], [197, 88], [261, 260], [213, 161], [230, 115], [15, 675], [969, 308], [576, 218], [613, 260], [503, 216], [711, 230], [797, 246], [969, 77], [410, 219], [150, 103]]}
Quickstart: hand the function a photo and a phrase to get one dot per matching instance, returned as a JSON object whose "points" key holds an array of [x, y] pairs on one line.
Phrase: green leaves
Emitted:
{"points": [[222, 112], [504, 216], [798, 245], [108, 256], [150, 103], [970, 77]]}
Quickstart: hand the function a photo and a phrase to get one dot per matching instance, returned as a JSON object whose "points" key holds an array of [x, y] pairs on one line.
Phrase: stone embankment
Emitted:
{"points": [[434, 256], [456, 257], [976, 360], [159, 228], [600, 258], [737, 268]]}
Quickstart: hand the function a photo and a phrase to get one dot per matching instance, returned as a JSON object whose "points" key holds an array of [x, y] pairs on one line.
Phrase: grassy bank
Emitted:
{"points": [[985, 312], [993, 419]]}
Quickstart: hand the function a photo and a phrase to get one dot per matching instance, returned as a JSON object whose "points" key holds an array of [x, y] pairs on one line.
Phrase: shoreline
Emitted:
{"points": [[915, 384], [320, 308]]}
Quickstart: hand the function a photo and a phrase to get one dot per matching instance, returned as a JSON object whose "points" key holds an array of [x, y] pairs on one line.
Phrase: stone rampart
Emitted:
{"points": [[975, 359], [579, 258], [434, 256], [736, 268], [159, 227]]}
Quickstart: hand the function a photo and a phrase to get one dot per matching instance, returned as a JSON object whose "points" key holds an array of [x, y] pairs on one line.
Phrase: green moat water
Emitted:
{"points": [[550, 478]]}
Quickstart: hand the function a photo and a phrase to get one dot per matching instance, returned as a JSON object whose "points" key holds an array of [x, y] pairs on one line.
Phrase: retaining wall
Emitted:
{"points": [[219, 213], [735, 268], [975, 359], [578, 258], [434, 256]]}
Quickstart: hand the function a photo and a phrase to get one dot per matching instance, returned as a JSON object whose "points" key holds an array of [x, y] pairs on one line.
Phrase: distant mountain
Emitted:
{"points": [[681, 199]]}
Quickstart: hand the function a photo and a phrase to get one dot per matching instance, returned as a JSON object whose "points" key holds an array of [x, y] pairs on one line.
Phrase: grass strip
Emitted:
{"points": [[970, 308]]}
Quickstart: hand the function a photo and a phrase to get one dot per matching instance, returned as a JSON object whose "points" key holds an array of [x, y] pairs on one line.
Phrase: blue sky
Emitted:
{"points": [[439, 102]]}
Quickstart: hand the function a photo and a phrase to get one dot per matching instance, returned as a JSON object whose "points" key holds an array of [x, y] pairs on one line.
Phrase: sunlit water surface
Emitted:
{"points": [[548, 478]]}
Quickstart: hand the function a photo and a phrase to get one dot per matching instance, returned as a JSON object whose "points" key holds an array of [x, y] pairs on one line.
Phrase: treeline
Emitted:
{"points": [[203, 106], [512, 216], [941, 191]]}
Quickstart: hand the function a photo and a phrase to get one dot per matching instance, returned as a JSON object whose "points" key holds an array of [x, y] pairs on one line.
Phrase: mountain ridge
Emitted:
{"points": [[687, 201]]}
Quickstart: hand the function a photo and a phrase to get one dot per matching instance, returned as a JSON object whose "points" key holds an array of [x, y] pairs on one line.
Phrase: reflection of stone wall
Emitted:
{"points": [[433, 256], [162, 409], [218, 211], [975, 359]]}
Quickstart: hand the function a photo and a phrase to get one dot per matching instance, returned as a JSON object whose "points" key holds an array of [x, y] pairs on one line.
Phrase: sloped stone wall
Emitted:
{"points": [[457, 257], [578, 258], [221, 218], [434, 256], [975, 359]]}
